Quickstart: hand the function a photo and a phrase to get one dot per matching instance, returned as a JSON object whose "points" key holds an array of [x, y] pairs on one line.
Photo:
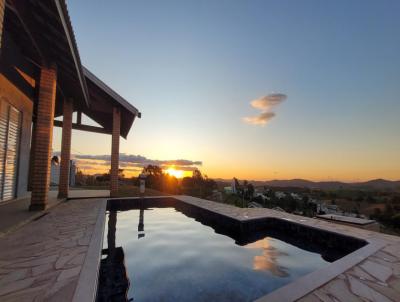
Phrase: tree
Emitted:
{"points": [[376, 214], [154, 177], [250, 191], [103, 178], [389, 212], [395, 221], [79, 178], [237, 184], [152, 170]]}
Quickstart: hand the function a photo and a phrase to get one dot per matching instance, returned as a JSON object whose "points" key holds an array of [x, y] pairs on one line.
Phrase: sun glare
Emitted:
{"points": [[173, 172]]}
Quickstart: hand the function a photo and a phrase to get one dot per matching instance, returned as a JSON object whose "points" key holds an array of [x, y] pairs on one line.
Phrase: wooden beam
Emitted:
{"points": [[11, 55], [79, 118], [17, 79], [23, 16], [2, 7], [81, 127]]}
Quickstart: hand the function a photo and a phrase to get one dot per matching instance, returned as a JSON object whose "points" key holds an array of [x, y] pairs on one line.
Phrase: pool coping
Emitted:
{"points": [[290, 292], [313, 280], [86, 288]]}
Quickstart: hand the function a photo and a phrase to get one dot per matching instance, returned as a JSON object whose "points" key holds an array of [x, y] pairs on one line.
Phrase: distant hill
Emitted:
{"points": [[375, 184]]}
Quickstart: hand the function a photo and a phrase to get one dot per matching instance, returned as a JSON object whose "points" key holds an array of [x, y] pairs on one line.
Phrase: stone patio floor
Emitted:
{"points": [[56, 257], [15, 213], [42, 261]]}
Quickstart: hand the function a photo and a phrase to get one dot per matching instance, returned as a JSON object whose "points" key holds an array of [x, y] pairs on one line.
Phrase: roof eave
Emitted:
{"points": [[66, 23], [124, 103]]}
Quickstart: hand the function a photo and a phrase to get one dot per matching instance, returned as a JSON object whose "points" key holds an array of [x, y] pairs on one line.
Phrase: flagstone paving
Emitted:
{"points": [[42, 261]]}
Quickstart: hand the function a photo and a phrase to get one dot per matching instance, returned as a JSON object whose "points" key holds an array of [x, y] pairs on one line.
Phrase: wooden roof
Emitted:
{"points": [[42, 32], [103, 99]]}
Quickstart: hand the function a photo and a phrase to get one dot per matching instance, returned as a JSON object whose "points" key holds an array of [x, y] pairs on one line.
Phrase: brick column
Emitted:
{"points": [[43, 138], [115, 152], [2, 7], [68, 109]]}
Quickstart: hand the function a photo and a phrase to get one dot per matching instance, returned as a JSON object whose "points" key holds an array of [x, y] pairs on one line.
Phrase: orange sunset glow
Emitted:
{"points": [[176, 172]]}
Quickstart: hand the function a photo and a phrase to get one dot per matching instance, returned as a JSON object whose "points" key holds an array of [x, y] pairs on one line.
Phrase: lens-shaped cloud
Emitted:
{"points": [[261, 119], [265, 104]]}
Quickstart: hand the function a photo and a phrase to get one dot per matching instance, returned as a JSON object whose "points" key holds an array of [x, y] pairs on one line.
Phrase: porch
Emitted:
{"points": [[44, 85]]}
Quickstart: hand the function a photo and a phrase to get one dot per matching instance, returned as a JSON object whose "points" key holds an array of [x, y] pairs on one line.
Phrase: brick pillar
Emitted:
{"points": [[2, 6], [43, 137], [68, 109], [115, 152]]}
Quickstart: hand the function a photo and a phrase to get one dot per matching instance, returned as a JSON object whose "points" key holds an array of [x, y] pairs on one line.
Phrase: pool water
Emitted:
{"points": [[172, 257]]}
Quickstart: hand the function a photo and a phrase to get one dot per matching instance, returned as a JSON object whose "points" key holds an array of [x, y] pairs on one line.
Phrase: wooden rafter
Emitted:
{"points": [[82, 127], [25, 21]]}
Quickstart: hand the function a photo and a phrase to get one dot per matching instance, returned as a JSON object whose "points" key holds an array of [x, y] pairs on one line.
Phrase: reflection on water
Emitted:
{"points": [[141, 224], [181, 259], [268, 260], [113, 280]]}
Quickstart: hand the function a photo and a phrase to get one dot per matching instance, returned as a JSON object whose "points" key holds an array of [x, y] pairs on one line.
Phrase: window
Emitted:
{"points": [[10, 129]]}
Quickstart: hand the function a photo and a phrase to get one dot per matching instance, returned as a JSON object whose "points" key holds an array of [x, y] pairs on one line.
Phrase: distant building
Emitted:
{"points": [[55, 172], [254, 204], [328, 209], [296, 196], [72, 173], [216, 196], [263, 196], [228, 190], [280, 195], [361, 223], [233, 186]]}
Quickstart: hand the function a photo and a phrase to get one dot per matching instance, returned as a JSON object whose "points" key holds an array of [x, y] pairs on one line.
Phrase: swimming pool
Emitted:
{"points": [[170, 251]]}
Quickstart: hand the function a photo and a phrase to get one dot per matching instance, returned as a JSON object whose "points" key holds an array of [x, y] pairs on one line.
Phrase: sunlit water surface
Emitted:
{"points": [[176, 258]]}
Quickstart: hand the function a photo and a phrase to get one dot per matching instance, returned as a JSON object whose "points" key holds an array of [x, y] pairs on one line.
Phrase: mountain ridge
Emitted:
{"points": [[376, 184]]}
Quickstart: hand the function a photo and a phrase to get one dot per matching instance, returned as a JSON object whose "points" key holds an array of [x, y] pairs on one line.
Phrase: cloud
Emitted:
{"points": [[138, 160], [129, 162], [265, 104], [261, 119]]}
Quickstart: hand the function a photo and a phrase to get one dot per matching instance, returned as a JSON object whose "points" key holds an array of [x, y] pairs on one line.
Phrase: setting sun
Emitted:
{"points": [[173, 172]]}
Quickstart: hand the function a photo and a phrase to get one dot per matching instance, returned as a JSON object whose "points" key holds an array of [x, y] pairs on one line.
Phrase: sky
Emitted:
{"points": [[252, 89]]}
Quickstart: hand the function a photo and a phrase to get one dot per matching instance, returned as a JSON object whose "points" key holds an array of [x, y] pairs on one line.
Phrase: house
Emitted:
{"points": [[280, 195], [328, 209], [261, 195], [42, 78], [228, 190], [296, 196]]}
